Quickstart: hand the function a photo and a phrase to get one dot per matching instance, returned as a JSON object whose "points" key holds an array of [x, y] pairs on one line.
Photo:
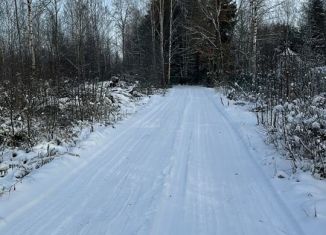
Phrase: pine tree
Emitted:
{"points": [[315, 28]]}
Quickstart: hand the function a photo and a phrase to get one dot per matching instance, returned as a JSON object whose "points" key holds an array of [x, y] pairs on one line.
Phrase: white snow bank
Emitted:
{"points": [[16, 163], [303, 194]]}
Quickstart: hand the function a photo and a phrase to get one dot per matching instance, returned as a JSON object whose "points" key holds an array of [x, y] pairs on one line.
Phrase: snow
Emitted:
{"points": [[302, 193], [120, 103], [316, 125], [3, 167], [288, 52], [183, 164]]}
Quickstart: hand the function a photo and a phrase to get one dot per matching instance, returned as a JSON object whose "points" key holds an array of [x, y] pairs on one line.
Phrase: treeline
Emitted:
{"points": [[253, 42], [54, 57], [182, 41]]}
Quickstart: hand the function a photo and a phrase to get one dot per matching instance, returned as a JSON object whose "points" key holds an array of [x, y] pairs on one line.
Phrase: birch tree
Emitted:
{"points": [[170, 41], [122, 11], [31, 33], [254, 32], [161, 23]]}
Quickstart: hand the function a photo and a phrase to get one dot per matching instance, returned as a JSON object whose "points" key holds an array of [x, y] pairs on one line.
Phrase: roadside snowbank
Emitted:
{"points": [[303, 194], [15, 163]]}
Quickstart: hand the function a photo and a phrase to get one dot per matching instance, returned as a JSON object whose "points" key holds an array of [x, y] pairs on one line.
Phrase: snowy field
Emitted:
{"points": [[183, 164]]}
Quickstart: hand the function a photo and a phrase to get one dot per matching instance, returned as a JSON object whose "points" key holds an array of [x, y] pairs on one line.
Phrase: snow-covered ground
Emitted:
{"points": [[184, 164], [15, 163]]}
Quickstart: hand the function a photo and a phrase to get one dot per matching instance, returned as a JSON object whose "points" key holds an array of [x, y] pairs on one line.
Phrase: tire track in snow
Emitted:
{"points": [[267, 188], [113, 169], [72, 179]]}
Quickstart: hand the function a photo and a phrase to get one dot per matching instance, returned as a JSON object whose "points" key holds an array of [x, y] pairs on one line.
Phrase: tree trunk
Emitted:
{"points": [[161, 16], [170, 42], [31, 34], [19, 37], [254, 31], [220, 54], [153, 41]]}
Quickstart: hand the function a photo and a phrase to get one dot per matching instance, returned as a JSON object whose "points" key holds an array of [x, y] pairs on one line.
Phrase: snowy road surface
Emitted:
{"points": [[178, 166]]}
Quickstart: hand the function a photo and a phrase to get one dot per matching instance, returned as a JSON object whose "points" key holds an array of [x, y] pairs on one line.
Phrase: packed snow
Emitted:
{"points": [[189, 162]]}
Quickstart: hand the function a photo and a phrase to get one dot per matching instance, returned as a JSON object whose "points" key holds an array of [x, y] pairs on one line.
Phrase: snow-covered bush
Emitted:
{"points": [[33, 131], [297, 126], [300, 127]]}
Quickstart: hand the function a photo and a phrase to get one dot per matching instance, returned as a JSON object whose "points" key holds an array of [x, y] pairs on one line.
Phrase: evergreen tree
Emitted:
{"points": [[314, 29]]}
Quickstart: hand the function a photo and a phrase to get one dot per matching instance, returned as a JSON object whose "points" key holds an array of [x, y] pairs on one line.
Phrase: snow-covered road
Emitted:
{"points": [[178, 166]]}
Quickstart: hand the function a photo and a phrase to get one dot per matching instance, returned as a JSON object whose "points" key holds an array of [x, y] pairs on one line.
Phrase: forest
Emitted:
{"points": [[58, 56]]}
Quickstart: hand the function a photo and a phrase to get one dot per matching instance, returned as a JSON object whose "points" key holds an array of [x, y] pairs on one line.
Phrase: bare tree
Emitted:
{"points": [[31, 33], [153, 36], [170, 41], [254, 32], [161, 22], [122, 12]]}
